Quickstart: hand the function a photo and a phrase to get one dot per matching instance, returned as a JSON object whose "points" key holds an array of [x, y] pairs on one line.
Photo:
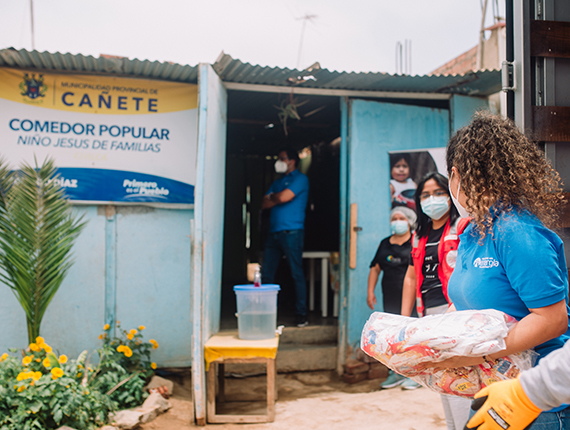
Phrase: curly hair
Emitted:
{"points": [[501, 168]]}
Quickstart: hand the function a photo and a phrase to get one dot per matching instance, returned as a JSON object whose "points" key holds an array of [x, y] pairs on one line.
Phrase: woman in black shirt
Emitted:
{"points": [[392, 257]]}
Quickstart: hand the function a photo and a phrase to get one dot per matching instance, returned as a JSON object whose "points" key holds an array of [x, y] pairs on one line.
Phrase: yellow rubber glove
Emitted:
{"points": [[502, 405]]}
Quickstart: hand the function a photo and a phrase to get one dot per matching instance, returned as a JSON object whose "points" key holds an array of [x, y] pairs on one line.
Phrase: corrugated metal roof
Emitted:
{"points": [[78, 63], [480, 83]]}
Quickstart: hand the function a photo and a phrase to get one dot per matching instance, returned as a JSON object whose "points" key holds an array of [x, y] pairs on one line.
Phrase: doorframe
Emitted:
{"points": [[343, 251], [345, 99]]}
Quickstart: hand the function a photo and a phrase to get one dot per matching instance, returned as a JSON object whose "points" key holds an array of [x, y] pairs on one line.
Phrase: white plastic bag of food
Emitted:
{"points": [[403, 344]]}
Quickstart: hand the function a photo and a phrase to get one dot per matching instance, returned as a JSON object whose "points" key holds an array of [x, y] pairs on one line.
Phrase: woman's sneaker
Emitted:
{"points": [[393, 380], [410, 384]]}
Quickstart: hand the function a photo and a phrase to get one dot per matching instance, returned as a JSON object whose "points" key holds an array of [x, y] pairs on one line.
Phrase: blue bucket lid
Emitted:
{"points": [[251, 287]]}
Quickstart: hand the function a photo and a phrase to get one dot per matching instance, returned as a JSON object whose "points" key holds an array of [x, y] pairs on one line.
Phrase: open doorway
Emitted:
{"points": [[255, 134]]}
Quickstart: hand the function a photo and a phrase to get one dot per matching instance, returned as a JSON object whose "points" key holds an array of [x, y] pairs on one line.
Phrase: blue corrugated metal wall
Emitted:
{"points": [[462, 109], [374, 130], [152, 281]]}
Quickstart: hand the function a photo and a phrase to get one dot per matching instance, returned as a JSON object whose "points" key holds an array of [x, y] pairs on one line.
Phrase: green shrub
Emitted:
{"points": [[41, 390], [124, 360]]}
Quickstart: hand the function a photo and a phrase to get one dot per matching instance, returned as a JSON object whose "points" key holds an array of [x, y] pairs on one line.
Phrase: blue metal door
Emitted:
{"points": [[207, 232], [374, 130]]}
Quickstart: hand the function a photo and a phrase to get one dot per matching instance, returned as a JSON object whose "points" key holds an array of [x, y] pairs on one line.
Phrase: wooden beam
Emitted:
{"points": [[353, 235], [276, 123], [551, 123], [338, 93], [549, 39]]}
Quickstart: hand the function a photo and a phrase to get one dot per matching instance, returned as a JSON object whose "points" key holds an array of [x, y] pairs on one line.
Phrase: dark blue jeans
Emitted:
{"points": [[288, 243], [548, 420]]}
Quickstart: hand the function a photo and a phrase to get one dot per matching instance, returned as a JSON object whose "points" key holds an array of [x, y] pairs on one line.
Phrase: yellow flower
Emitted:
{"points": [[39, 360], [56, 372], [107, 327], [127, 351], [154, 344], [120, 348], [153, 365], [22, 388], [63, 358], [27, 360], [46, 363], [40, 341], [24, 375], [130, 336], [47, 348], [4, 356], [133, 331], [141, 327], [34, 347], [37, 375], [100, 337], [79, 375]]}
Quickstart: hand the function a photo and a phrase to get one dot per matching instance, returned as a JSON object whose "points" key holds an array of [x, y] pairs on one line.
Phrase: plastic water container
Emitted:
{"points": [[256, 311]]}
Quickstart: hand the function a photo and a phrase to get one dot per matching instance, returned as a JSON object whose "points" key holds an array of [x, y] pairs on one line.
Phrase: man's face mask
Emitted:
{"points": [[280, 166]]}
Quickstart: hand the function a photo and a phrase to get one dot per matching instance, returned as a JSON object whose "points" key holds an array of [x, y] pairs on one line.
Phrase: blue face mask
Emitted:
{"points": [[399, 227], [435, 207]]}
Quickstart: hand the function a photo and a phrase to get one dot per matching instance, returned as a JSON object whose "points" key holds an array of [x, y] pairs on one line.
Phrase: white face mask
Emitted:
{"points": [[462, 211], [399, 227], [280, 166], [435, 207]]}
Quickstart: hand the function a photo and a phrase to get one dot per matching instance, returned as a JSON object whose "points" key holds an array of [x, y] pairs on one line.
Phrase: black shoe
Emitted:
{"points": [[301, 321]]}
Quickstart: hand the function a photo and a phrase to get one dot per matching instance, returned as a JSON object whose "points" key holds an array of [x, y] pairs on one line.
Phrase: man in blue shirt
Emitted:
{"points": [[287, 198]]}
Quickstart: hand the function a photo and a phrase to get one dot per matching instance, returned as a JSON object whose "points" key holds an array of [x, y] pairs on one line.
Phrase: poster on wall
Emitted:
{"points": [[113, 139], [407, 168]]}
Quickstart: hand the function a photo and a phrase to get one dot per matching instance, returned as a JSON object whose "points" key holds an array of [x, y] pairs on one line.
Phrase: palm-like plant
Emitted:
{"points": [[37, 232]]}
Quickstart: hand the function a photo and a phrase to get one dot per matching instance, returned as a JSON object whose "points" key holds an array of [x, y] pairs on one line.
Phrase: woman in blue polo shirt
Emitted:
{"points": [[508, 259]]}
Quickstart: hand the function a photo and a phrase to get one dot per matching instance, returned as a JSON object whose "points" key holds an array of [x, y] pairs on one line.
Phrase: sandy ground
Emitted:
{"points": [[316, 400]]}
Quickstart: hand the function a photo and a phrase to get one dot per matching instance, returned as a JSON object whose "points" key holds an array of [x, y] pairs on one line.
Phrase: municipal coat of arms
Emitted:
{"points": [[33, 87]]}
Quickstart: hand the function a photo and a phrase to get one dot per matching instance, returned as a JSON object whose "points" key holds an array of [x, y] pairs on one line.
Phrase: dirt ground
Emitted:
{"points": [[315, 400]]}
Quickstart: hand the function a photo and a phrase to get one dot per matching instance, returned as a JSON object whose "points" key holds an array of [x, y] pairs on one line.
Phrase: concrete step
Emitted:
{"points": [[305, 357], [292, 358], [311, 334]]}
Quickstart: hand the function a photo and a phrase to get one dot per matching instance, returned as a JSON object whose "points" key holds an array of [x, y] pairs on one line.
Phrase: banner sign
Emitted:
{"points": [[113, 139]]}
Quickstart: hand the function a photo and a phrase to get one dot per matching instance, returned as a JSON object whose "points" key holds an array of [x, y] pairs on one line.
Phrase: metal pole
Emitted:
{"points": [[510, 54], [481, 37], [32, 21], [405, 56], [410, 61]]}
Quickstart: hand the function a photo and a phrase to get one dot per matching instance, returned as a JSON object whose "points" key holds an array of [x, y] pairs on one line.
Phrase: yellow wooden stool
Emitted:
{"points": [[228, 348]]}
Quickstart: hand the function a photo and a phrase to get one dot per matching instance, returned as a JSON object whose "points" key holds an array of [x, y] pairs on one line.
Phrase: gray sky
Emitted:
{"points": [[355, 35]]}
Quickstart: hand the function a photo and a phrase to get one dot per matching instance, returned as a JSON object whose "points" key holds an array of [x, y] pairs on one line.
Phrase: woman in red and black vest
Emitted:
{"points": [[434, 251]]}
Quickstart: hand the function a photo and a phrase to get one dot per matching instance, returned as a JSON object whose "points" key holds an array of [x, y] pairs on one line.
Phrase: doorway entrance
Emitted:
{"points": [[259, 125]]}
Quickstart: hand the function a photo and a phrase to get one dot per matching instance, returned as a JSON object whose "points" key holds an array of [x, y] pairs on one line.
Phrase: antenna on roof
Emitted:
{"points": [[404, 57], [307, 17]]}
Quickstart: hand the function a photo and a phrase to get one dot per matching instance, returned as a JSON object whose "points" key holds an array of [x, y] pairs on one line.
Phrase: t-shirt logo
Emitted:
{"points": [[395, 260], [485, 263]]}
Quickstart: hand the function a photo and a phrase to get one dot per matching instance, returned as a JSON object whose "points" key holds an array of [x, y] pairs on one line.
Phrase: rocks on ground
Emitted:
{"points": [[128, 419]]}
